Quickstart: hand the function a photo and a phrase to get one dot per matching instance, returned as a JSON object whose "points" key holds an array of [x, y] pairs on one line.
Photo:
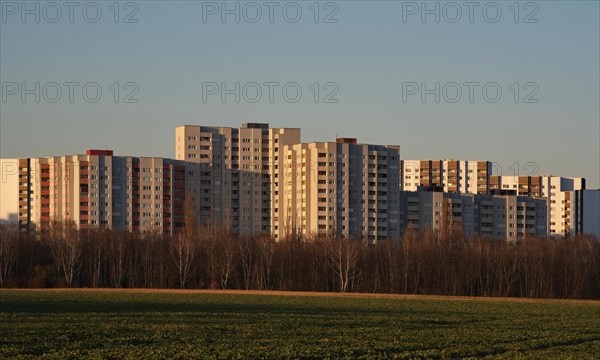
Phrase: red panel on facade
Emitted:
{"points": [[100, 152], [346, 140]]}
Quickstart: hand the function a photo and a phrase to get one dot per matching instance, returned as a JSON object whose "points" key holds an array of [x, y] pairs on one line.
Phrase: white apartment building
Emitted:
{"points": [[242, 172], [342, 188]]}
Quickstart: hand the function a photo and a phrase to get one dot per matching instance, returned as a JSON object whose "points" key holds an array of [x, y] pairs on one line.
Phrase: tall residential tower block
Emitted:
{"points": [[245, 168], [342, 188]]}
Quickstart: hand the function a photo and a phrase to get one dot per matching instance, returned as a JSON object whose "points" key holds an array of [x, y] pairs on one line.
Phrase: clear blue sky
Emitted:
{"points": [[368, 53]]}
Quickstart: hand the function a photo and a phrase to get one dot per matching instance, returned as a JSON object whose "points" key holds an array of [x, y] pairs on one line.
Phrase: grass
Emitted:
{"points": [[170, 324]]}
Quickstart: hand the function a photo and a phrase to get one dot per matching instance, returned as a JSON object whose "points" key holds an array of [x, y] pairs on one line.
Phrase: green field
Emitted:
{"points": [[144, 325]]}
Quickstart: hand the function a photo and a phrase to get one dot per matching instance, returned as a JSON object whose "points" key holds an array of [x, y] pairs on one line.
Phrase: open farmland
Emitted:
{"points": [[199, 324]]}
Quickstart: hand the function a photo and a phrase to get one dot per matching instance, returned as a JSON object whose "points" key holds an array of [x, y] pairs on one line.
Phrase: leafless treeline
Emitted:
{"points": [[208, 257]]}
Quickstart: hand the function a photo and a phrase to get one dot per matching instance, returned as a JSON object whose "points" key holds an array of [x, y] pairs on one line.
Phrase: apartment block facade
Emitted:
{"points": [[136, 194], [339, 187], [556, 189], [459, 176], [503, 216], [241, 172]]}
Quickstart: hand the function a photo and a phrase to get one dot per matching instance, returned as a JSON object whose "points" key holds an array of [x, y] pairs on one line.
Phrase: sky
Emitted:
{"points": [[514, 83]]}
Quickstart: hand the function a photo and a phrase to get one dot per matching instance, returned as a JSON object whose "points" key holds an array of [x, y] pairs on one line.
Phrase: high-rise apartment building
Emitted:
{"points": [[556, 189], [457, 176], [241, 172], [340, 187], [137, 194]]}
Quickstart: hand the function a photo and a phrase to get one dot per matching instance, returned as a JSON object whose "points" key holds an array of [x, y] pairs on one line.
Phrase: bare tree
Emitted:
{"points": [[247, 257], [65, 246], [116, 255], [265, 261], [8, 251], [226, 260], [184, 253], [504, 268], [184, 246], [94, 254], [148, 258], [344, 256]]}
